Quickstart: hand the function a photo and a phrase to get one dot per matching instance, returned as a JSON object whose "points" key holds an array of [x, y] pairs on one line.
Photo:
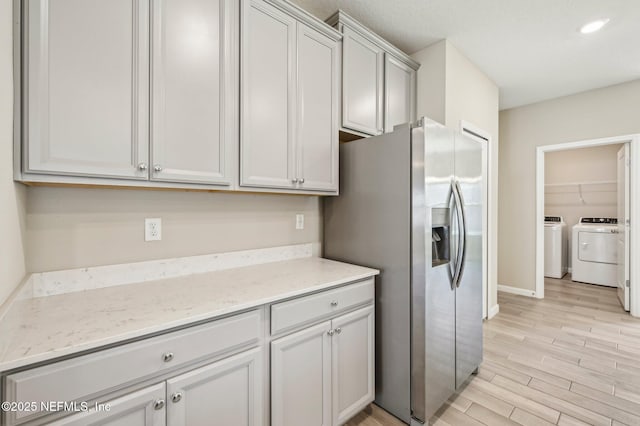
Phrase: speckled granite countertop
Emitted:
{"points": [[43, 328]]}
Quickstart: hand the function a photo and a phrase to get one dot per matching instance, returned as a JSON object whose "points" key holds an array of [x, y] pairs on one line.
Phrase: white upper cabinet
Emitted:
{"points": [[362, 85], [378, 80], [289, 113], [268, 96], [194, 67], [400, 93], [99, 74], [86, 79], [318, 68]]}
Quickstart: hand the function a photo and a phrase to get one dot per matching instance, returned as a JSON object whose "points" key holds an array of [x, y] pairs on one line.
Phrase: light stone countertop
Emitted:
{"points": [[45, 328]]}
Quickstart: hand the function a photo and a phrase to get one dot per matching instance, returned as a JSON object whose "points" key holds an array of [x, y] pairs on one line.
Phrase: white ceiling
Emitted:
{"points": [[532, 49]]}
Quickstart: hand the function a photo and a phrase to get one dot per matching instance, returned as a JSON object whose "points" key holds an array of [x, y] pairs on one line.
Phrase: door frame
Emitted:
{"points": [[489, 247], [634, 204]]}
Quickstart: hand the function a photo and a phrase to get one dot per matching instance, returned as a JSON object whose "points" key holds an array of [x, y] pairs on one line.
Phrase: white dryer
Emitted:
{"points": [[595, 251], [555, 247]]}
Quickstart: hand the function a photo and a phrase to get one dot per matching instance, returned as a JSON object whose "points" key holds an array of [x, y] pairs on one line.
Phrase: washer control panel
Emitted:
{"points": [[599, 220], [554, 219]]}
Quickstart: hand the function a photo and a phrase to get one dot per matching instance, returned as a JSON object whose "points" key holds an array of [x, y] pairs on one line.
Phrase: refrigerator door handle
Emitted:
{"points": [[455, 230], [462, 245]]}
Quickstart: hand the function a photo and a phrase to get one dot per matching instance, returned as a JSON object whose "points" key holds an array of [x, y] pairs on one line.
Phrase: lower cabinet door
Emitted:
{"points": [[145, 407], [301, 378], [227, 392], [352, 363]]}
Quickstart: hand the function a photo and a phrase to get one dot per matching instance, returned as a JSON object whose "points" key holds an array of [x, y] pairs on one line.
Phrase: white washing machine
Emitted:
{"points": [[595, 251], [555, 247]]}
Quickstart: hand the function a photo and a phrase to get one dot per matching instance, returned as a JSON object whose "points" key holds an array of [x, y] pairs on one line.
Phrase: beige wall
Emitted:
{"points": [[452, 89], [587, 165], [431, 87], [12, 196], [72, 227], [610, 111]]}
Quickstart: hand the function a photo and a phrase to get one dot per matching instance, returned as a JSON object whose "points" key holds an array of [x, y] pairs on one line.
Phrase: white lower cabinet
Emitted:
{"points": [[227, 392], [321, 370], [301, 377], [145, 407], [352, 367], [324, 375]]}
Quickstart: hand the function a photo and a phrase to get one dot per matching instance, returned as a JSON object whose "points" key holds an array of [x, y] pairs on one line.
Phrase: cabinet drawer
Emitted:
{"points": [[88, 376], [287, 315]]}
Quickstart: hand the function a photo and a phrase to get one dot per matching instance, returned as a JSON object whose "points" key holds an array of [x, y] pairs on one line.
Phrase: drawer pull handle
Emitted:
{"points": [[338, 330], [334, 303], [167, 356], [330, 332], [176, 397], [158, 404]]}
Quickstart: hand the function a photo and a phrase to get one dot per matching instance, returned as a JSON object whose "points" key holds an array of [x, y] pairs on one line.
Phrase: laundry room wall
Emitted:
{"points": [[605, 112], [591, 172]]}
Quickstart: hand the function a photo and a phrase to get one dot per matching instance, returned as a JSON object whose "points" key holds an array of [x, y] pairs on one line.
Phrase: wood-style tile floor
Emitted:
{"points": [[572, 358]]}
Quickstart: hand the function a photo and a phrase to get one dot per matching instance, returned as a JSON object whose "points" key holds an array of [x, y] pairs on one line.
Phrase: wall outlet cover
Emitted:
{"points": [[299, 221], [153, 229]]}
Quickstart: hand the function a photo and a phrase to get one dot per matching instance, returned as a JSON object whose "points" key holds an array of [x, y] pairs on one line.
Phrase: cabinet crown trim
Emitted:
{"points": [[307, 18], [340, 17]]}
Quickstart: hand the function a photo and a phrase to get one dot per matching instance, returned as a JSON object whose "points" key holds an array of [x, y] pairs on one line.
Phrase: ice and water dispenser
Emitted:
{"points": [[439, 236]]}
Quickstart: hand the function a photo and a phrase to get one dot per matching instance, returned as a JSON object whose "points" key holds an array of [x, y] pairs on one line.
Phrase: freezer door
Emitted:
{"points": [[468, 180], [433, 297]]}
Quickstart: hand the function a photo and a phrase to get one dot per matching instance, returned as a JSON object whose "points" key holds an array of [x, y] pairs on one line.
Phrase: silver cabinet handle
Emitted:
{"points": [[294, 180], [157, 168], [176, 397], [334, 303], [142, 167], [330, 332], [338, 330], [167, 356], [158, 404], [301, 180]]}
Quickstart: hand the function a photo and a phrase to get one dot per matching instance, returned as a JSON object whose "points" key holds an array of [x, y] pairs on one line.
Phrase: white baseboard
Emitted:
{"points": [[516, 290], [493, 311]]}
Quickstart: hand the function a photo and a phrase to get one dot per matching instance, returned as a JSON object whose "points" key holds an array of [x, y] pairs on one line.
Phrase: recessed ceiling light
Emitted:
{"points": [[594, 26]]}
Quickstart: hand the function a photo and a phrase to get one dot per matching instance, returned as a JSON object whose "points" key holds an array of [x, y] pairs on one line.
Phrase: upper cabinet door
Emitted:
{"points": [[268, 96], [362, 84], [318, 67], [227, 392], [86, 75], [400, 93], [194, 90]]}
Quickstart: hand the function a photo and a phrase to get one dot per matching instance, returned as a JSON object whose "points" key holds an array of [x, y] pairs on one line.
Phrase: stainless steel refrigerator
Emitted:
{"points": [[410, 205]]}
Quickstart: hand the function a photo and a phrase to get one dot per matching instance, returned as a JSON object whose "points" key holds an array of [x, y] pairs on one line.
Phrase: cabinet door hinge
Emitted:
{"points": [[627, 284]]}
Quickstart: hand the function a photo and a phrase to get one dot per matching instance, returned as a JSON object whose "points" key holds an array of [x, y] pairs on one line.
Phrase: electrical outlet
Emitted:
{"points": [[153, 229], [299, 221]]}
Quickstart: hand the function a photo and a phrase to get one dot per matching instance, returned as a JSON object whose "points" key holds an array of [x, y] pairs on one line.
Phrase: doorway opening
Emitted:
{"points": [[585, 208]]}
